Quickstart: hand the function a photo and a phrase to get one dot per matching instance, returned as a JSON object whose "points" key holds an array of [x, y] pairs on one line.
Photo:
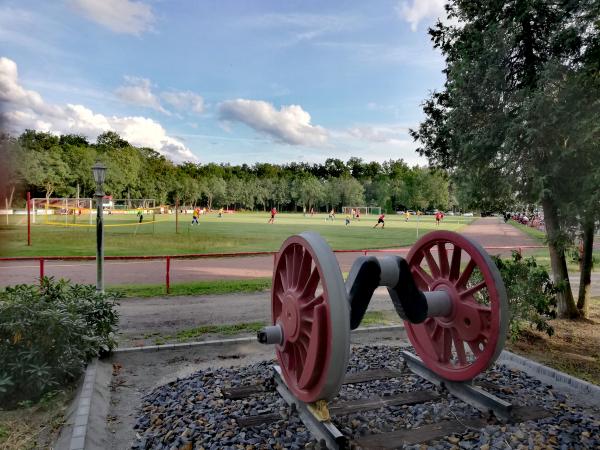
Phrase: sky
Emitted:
{"points": [[224, 81]]}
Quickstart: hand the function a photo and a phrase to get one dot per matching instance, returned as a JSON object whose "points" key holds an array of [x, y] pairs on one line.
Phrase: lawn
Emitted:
{"points": [[238, 232]]}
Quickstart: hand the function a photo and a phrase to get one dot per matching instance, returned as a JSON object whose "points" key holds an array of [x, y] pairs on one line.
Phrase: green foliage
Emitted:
{"points": [[49, 165], [531, 294], [48, 333]]}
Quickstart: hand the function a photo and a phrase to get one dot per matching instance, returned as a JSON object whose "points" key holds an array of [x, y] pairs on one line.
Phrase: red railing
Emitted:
{"points": [[168, 258]]}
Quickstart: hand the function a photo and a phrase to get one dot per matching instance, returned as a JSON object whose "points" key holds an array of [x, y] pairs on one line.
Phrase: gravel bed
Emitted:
{"points": [[191, 413]]}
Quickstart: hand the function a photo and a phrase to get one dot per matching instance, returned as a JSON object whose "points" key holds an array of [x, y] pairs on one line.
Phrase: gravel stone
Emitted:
{"points": [[191, 413]]}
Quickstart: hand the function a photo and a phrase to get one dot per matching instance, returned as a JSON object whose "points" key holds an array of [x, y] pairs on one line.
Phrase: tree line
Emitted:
{"points": [[48, 165]]}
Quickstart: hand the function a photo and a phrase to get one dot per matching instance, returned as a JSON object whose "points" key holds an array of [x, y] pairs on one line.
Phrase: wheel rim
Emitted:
{"points": [[308, 301], [463, 344]]}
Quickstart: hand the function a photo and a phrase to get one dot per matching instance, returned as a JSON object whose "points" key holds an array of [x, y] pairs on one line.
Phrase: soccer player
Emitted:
{"points": [[438, 217], [407, 215], [358, 215], [273, 212], [221, 212], [380, 221], [195, 215], [347, 219]]}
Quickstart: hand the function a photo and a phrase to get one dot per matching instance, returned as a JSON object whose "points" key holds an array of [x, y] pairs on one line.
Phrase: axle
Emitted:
{"points": [[367, 274]]}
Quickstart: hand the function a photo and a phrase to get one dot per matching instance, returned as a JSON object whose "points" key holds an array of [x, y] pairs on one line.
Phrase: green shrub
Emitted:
{"points": [[531, 294], [47, 335]]}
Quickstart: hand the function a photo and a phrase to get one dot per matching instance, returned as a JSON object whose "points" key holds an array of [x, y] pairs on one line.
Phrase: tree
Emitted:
{"points": [[486, 123], [377, 192], [112, 140], [308, 191], [215, 191], [350, 191]]}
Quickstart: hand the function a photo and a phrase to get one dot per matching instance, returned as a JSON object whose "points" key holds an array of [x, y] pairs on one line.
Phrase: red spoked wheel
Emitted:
{"points": [[463, 344], [308, 301]]}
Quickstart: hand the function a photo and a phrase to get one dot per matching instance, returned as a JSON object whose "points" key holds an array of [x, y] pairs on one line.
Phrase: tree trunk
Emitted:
{"points": [[566, 305], [585, 280]]}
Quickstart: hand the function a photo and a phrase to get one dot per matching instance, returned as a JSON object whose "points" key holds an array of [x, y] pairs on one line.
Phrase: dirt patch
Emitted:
{"points": [[161, 320], [574, 348], [36, 426]]}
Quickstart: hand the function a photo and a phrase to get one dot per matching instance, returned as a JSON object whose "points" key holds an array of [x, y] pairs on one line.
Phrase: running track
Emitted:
{"points": [[489, 232]]}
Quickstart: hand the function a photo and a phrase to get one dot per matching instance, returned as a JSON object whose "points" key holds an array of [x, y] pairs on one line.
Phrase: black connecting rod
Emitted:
{"points": [[368, 273]]}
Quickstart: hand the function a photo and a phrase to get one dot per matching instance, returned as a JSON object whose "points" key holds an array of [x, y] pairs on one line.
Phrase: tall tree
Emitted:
{"points": [[485, 122]]}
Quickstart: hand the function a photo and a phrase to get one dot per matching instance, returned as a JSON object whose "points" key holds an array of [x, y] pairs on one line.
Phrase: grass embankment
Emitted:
{"points": [[574, 348], [208, 287], [536, 234], [371, 319], [34, 427], [542, 256], [239, 232]]}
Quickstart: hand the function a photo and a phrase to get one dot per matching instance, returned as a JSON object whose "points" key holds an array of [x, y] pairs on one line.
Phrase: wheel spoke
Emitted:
{"points": [[311, 284], [277, 303], [317, 335], [459, 345], [289, 273], [472, 290], [435, 270], [443, 258], [295, 250], [422, 278], [447, 345], [474, 346], [304, 270], [282, 278], [455, 265], [464, 277]]}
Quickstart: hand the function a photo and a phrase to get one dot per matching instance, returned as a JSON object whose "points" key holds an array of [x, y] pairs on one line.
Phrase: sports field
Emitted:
{"points": [[238, 232]]}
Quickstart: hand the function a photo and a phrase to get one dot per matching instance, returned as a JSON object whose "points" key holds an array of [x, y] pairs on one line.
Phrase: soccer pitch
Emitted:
{"points": [[237, 232]]}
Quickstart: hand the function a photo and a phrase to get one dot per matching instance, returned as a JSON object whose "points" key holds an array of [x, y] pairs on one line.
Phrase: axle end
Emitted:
{"points": [[270, 335]]}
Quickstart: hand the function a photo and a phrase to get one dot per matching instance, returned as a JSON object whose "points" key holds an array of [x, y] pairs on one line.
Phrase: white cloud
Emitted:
{"points": [[120, 16], [138, 91], [184, 101], [290, 124], [380, 133], [419, 10], [22, 109]]}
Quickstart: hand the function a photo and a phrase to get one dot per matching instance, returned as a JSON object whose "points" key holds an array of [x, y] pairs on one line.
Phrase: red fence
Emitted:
{"points": [[169, 258]]}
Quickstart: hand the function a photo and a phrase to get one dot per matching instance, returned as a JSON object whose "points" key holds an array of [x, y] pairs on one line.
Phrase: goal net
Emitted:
{"points": [[71, 208], [362, 210], [120, 215]]}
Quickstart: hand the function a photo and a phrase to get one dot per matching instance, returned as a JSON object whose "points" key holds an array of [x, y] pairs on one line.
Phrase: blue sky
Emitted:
{"points": [[223, 81]]}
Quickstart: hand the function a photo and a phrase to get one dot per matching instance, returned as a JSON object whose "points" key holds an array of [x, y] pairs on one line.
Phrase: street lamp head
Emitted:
{"points": [[99, 171]]}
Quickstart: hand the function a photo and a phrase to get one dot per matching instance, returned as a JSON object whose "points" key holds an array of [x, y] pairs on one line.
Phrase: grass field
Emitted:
{"points": [[237, 232]]}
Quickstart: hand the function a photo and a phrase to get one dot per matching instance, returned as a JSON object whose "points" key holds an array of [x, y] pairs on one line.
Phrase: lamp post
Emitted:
{"points": [[99, 171]]}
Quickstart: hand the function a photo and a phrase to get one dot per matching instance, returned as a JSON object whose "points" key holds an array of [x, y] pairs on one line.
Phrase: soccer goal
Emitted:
{"points": [[70, 209], [363, 210]]}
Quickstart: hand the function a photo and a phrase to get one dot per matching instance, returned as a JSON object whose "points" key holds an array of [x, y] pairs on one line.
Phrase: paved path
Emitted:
{"points": [[488, 231]]}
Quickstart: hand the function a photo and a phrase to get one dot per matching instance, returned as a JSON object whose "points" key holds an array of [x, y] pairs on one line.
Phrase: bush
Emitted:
{"points": [[48, 333], [531, 294]]}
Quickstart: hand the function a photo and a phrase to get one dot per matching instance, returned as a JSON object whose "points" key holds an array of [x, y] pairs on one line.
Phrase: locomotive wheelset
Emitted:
{"points": [[448, 291]]}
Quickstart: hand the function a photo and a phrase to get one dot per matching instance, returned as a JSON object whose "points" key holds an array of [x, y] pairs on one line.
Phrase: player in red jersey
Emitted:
{"points": [[273, 212]]}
